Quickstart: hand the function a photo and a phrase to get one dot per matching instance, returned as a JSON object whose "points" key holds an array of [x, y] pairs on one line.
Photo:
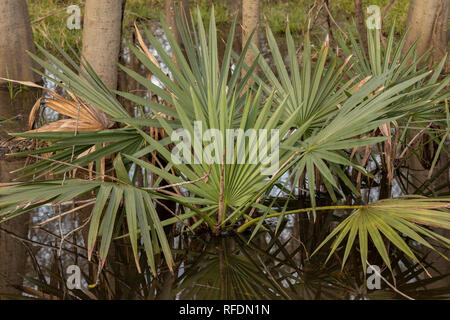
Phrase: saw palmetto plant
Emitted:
{"points": [[125, 163], [425, 117]]}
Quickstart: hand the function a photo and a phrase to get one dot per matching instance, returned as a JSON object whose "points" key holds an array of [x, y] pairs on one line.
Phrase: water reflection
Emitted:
{"points": [[270, 266], [15, 105], [229, 267]]}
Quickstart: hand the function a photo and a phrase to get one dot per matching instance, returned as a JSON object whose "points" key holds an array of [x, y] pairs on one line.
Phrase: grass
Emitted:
{"points": [[275, 13], [398, 12], [48, 17], [48, 21]]}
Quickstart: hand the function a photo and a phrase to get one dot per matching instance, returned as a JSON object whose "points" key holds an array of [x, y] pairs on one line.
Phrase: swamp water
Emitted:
{"points": [[232, 266]]}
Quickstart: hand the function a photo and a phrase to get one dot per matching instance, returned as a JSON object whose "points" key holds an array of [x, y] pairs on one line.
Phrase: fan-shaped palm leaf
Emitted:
{"points": [[391, 218]]}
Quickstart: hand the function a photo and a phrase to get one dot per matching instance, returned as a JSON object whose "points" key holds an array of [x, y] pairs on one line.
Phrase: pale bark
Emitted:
{"points": [[101, 47], [16, 38], [170, 7], [235, 7], [101, 38], [440, 33], [360, 23], [427, 23], [250, 22], [419, 24], [102, 34], [171, 10]]}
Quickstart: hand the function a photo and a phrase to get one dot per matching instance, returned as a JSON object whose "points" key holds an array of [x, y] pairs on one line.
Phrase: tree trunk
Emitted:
{"points": [[360, 23], [16, 38], [101, 38], [250, 22], [236, 11], [169, 11], [102, 35], [427, 23], [171, 8], [440, 33]]}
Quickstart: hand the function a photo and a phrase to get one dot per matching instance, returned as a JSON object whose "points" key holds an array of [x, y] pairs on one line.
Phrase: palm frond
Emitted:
{"points": [[393, 219]]}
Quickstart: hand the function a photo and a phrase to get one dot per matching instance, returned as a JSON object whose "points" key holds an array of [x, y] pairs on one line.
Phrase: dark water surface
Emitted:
{"points": [[269, 266]]}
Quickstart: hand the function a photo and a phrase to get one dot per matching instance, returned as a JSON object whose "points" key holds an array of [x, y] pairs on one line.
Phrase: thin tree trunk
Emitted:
{"points": [[250, 22], [16, 38], [101, 47], [422, 17], [427, 23], [101, 38], [236, 11], [102, 35], [171, 9], [360, 23], [440, 33], [169, 12]]}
